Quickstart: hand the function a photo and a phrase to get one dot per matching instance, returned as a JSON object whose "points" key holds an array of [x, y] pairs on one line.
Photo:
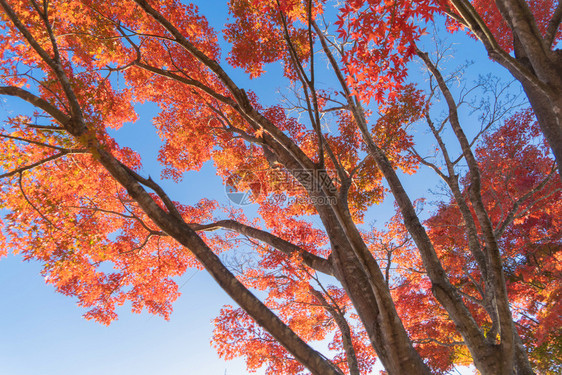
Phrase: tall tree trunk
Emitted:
{"points": [[371, 297], [549, 116], [359, 274], [543, 81]]}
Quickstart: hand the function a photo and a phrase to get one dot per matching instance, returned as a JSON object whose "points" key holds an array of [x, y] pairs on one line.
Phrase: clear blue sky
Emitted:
{"points": [[42, 332]]}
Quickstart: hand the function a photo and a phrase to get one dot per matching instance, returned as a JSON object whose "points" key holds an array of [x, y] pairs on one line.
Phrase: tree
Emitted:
{"points": [[504, 171], [77, 201], [528, 29]]}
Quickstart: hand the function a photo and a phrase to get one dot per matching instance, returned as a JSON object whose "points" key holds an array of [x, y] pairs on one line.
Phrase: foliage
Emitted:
{"points": [[477, 282]]}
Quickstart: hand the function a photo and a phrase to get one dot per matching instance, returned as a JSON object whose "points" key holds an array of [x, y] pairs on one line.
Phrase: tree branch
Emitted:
{"points": [[36, 101], [553, 26], [54, 64], [493, 271], [62, 149], [512, 214], [313, 261], [38, 163], [345, 330]]}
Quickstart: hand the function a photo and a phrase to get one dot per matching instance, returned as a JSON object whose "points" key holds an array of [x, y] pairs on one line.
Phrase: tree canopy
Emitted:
{"points": [[475, 281]]}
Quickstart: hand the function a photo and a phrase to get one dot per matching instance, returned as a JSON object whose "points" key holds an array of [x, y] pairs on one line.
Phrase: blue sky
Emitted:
{"points": [[42, 332]]}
